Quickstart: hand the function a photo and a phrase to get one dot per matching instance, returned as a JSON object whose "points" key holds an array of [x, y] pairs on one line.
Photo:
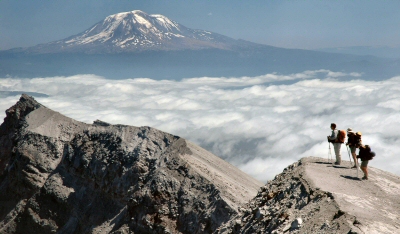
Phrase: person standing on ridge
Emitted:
{"points": [[365, 155], [333, 138], [353, 141]]}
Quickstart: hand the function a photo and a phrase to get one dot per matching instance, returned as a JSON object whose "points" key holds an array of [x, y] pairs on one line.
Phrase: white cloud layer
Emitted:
{"points": [[252, 123]]}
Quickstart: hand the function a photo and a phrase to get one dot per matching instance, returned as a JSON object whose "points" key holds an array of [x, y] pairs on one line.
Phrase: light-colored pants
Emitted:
{"points": [[336, 147]]}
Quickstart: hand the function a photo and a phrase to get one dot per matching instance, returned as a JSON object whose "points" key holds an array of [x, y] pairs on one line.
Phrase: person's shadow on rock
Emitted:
{"points": [[350, 177]]}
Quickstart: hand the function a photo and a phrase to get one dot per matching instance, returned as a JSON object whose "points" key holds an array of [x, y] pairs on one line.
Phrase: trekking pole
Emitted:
{"points": [[330, 152], [347, 147], [356, 162]]}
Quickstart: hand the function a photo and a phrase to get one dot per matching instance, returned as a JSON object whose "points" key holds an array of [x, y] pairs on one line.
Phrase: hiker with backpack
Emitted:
{"points": [[354, 142], [337, 139], [365, 155]]}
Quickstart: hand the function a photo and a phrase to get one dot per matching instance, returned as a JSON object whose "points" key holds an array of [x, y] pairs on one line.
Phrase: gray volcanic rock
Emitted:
{"points": [[312, 196], [61, 175]]}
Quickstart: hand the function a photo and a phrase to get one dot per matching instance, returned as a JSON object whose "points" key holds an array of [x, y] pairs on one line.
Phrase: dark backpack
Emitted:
{"points": [[351, 138], [341, 136], [371, 155], [357, 140], [366, 153]]}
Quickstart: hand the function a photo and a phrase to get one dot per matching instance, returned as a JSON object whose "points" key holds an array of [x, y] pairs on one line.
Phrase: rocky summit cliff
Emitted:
{"points": [[313, 196], [58, 175]]}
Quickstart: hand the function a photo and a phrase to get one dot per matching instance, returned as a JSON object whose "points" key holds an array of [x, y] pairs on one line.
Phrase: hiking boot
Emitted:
{"points": [[354, 166], [337, 163], [365, 178]]}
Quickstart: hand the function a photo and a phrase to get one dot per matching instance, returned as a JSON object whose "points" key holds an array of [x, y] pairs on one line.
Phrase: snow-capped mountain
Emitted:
{"points": [[138, 31]]}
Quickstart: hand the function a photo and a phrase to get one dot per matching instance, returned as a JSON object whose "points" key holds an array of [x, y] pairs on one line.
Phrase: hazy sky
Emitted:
{"points": [[306, 24]]}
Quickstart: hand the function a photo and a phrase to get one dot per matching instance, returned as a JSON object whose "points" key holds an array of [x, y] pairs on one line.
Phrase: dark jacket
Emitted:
{"points": [[365, 153]]}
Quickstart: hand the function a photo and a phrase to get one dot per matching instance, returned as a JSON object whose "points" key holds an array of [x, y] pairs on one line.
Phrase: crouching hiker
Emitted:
{"points": [[365, 155], [337, 139], [354, 142]]}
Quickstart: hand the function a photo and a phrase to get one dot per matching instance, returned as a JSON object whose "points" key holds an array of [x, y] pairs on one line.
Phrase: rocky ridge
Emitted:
{"points": [[313, 196], [61, 175]]}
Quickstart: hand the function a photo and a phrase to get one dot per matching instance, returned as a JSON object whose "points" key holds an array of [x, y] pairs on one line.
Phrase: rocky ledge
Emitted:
{"points": [[314, 196], [58, 175]]}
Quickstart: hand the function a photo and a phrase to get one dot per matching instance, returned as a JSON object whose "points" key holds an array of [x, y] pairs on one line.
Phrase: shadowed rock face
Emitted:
{"points": [[61, 175]]}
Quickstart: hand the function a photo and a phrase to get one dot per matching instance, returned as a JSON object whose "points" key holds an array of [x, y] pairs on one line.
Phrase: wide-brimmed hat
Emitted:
{"points": [[350, 130], [358, 133]]}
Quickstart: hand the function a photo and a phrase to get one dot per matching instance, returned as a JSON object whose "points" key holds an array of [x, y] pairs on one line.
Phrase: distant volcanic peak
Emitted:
{"points": [[134, 28], [135, 31], [141, 18]]}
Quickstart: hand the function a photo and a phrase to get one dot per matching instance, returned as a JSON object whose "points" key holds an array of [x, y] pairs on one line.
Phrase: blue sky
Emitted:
{"points": [[305, 24]]}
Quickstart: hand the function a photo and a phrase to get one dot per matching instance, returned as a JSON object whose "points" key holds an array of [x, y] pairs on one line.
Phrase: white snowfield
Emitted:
{"points": [[135, 28]]}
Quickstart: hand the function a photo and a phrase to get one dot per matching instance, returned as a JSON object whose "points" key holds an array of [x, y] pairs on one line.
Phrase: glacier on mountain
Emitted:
{"points": [[136, 29]]}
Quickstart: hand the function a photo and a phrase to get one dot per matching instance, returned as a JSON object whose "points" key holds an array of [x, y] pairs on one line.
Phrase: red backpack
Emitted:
{"points": [[341, 136]]}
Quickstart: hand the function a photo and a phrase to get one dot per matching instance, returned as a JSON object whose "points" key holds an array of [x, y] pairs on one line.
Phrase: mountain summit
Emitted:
{"points": [[61, 175], [138, 31]]}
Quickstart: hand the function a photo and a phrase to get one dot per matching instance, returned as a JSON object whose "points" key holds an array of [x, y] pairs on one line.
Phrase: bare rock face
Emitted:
{"points": [[58, 175], [313, 196]]}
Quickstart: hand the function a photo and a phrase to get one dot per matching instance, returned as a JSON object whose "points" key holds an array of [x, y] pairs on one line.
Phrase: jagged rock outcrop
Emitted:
{"points": [[61, 175], [312, 196]]}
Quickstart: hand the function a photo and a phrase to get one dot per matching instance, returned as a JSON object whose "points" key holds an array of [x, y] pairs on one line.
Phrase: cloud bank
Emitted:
{"points": [[255, 124]]}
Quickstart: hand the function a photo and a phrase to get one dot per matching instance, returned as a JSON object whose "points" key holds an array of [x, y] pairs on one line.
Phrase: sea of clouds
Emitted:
{"points": [[256, 123]]}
